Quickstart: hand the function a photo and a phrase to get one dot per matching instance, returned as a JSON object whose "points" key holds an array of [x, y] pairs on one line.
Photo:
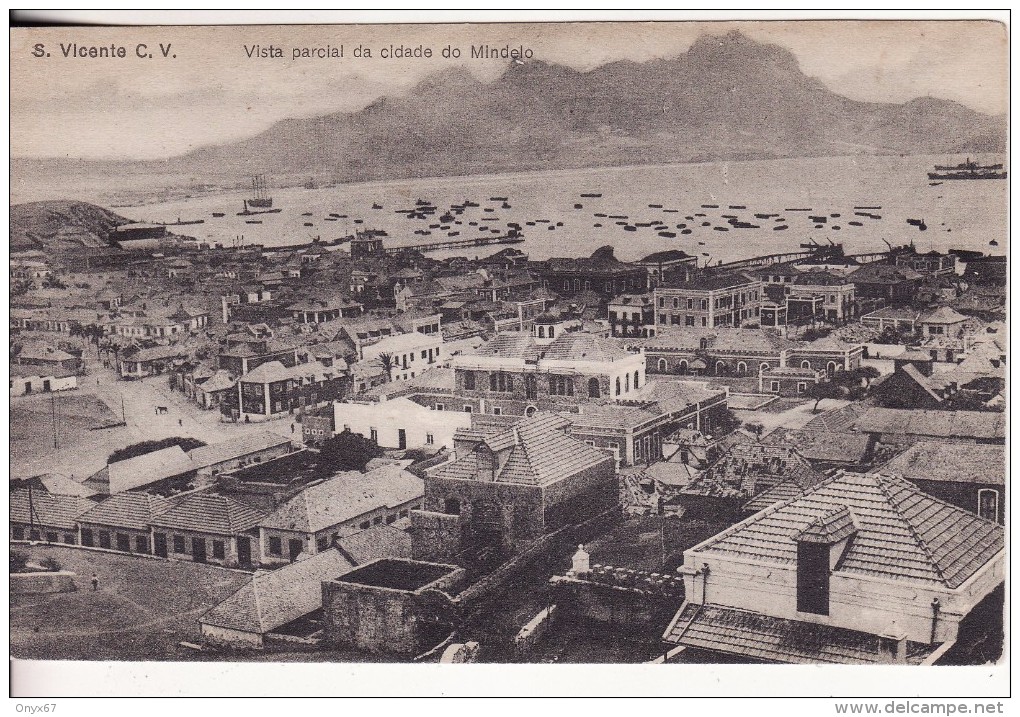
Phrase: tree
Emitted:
{"points": [[139, 449], [821, 391], [755, 427], [386, 361], [346, 451]]}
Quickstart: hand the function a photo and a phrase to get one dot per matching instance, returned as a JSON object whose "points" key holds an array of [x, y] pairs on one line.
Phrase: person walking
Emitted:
{"points": [[95, 582]]}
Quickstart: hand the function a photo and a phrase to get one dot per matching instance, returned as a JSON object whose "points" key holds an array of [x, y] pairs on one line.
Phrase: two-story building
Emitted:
{"points": [[632, 315], [709, 302]]}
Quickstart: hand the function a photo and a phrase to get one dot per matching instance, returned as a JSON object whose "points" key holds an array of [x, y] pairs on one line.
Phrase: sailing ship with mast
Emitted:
{"points": [[260, 198]]}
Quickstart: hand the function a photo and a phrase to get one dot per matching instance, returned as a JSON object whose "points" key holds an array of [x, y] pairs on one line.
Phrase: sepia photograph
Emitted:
{"points": [[674, 344]]}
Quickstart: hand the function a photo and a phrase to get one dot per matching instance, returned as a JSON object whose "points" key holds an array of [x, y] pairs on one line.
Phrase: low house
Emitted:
{"points": [[904, 427], [25, 380], [167, 467], [825, 450], [900, 318], [319, 515], [238, 452], [788, 381], [972, 477], [273, 390], [943, 321], [400, 423], [35, 515], [122, 522], [406, 355], [860, 569], [136, 362], [47, 357], [207, 528]]}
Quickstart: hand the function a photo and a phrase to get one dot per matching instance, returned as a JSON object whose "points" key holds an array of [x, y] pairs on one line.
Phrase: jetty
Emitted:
{"points": [[458, 243]]}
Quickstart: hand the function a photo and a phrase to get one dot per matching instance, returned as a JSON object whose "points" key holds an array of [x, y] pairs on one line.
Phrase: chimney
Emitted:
{"points": [[892, 649]]}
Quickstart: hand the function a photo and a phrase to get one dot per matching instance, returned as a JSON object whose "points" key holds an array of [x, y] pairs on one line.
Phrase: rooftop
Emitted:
{"points": [[235, 447], [127, 510], [47, 509], [939, 424], [397, 574], [951, 463], [208, 513], [148, 468]]}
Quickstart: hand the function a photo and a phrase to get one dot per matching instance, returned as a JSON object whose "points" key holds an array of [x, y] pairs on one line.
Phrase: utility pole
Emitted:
{"points": [[53, 419]]}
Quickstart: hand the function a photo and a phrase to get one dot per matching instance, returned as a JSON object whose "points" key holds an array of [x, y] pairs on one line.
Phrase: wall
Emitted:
{"points": [[225, 637], [17, 384], [68, 536], [435, 536], [387, 418], [132, 533], [581, 496], [40, 583], [229, 548], [246, 460]]}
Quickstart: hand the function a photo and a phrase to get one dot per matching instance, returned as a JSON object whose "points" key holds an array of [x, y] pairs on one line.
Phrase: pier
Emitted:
{"points": [[456, 243]]}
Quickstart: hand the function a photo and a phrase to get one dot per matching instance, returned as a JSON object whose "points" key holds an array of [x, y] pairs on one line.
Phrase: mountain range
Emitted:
{"points": [[728, 97]]}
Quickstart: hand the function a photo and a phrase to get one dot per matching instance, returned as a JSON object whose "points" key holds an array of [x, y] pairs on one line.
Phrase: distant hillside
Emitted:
{"points": [[728, 97], [58, 226]]}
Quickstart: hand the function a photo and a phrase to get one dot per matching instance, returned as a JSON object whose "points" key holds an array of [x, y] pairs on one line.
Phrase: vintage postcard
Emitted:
{"points": [[676, 343]]}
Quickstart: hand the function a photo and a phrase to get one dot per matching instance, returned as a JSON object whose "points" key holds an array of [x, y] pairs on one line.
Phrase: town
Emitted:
{"points": [[364, 453]]}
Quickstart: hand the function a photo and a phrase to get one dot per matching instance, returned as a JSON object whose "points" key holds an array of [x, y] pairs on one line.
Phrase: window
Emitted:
{"points": [[18, 532], [561, 386], [373, 434], [179, 544], [451, 506], [404, 513], [627, 383], [467, 408], [392, 518], [801, 387], [321, 543], [662, 303], [617, 385], [104, 539], [469, 380], [429, 439], [676, 302], [377, 520], [775, 386], [141, 544], [218, 550], [501, 382], [365, 525], [988, 504], [541, 332], [51, 537], [275, 545], [704, 304], [123, 543], [594, 390], [497, 411], [86, 537], [805, 364], [688, 321], [33, 534], [741, 368], [690, 304], [423, 353], [440, 406], [69, 538], [813, 578]]}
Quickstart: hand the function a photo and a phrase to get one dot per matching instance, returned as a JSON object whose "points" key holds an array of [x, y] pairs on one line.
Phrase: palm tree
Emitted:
{"points": [[386, 362]]}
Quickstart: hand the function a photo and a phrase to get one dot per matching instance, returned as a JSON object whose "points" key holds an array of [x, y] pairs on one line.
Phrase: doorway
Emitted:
{"points": [[294, 548], [198, 549], [159, 545], [244, 551]]}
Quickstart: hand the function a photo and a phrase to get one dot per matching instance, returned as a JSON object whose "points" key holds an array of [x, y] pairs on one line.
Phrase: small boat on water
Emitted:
{"points": [[376, 206], [701, 243], [596, 225], [330, 219], [856, 224], [737, 206], [655, 206], [306, 214], [578, 206], [993, 242], [861, 206], [818, 220], [797, 209], [218, 214], [968, 170], [184, 222], [668, 235], [709, 206], [934, 184], [706, 224], [506, 205], [309, 224], [686, 231], [591, 195], [630, 228], [252, 221], [780, 228], [497, 199], [720, 229]]}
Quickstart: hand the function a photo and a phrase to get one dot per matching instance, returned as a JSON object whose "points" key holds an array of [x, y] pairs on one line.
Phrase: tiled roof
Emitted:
{"points": [[825, 446], [148, 468], [714, 283], [274, 598], [344, 498], [717, 339], [540, 453], [438, 380], [939, 424], [127, 510], [876, 273], [673, 396], [838, 420], [903, 533], [613, 415], [206, 513], [219, 381], [62, 485], [510, 344], [943, 315], [379, 541], [894, 312], [51, 511], [235, 448], [829, 529], [773, 639], [951, 462], [578, 346], [779, 493]]}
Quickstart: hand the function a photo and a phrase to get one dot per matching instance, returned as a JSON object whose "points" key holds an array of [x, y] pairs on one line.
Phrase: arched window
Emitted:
{"points": [[627, 383], [637, 378], [541, 332], [594, 390], [720, 368], [530, 411], [617, 385], [764, 367], [703, 343], [662, 365], [741, 368], [682, 368], [805, 364], [830, 368]]}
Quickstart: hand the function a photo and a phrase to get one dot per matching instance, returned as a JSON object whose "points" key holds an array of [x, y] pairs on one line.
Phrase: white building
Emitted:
{"points": [[400, 423], [410, 354]]}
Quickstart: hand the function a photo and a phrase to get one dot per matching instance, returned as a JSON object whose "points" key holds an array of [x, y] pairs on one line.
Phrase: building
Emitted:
{"points": [[273, 390], [400, 423], [167, 467], [136, 362], [601, 273], [665, 267], [943, 321], [406, 355], [48, 358], [631, 315], [723, 351], [272, 601], [314, 519], [931, 262], [860, 569], [122, 522], [838, 302], [238, 452], [207, 528], [26, 380], [825, 450], [383, 606], [899, 318], [896, 285], [507, 487], [317, 311], [904, 427], [709, 302], [788, 381], [367, 245], [514, 375], [41, 516], [971, 477]]}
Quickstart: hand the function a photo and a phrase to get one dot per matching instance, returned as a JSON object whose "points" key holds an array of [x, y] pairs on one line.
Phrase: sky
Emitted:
{"points": [[208, 91]]}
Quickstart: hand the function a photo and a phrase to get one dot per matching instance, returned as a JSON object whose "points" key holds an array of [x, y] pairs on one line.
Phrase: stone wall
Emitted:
{"points": [[40, 583], [435, 536]]}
